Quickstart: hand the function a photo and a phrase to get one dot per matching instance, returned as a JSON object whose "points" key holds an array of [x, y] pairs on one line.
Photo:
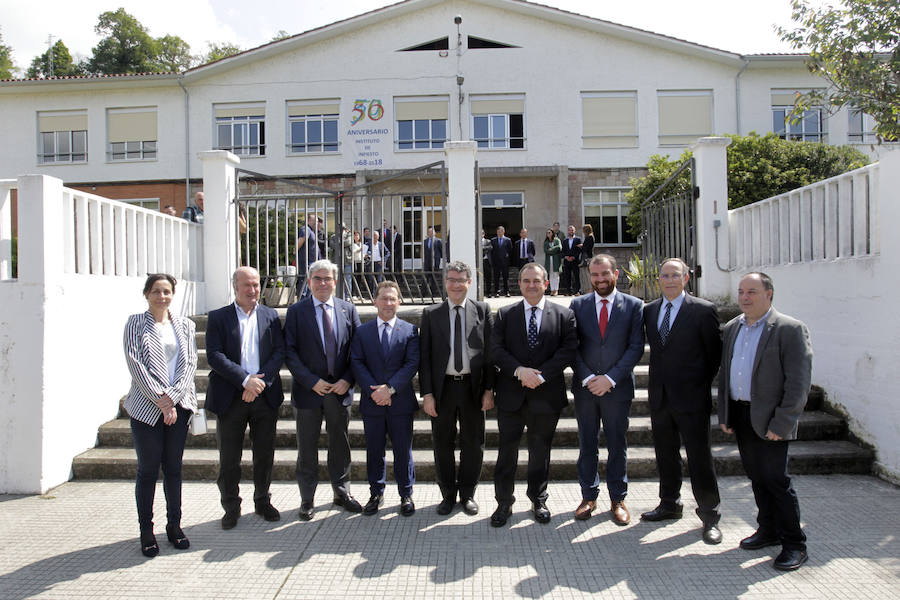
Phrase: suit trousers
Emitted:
{"points": [[158, 446], [399, 428], [488, 275], [570, 282], [457, 404], [501, 279], [541, 427], [670, 430], [230, 428], [612, 414], [309, 426], [766, 462]]}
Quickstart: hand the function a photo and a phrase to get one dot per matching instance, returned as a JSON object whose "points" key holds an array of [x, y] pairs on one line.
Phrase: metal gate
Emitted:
{"points": [[286, 224], [667, 229]]}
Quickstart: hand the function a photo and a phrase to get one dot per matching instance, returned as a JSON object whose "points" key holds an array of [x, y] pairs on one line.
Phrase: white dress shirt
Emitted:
{"points": [[166, 333], [249, 341], [467, 352], [329, 306], [676, 306], [538, 316]]}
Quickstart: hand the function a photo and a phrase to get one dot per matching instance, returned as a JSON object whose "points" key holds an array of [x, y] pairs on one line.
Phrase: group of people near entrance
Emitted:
{"points": [[470, 361]]}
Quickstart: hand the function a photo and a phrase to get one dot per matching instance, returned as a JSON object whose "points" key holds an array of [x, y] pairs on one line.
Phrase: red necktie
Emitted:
{"points": [[604, 318]]}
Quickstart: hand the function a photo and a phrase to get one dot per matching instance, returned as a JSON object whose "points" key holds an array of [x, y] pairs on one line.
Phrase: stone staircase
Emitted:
{"points": [[822, 447]]}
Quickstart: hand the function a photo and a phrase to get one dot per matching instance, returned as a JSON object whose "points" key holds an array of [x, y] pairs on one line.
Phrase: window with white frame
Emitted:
{"points": [[808, 127], [151, 203], [241, 128], [861, 128], [421, 122], [313, 126], [684, 116], [606, 211], [62, 136], [609, 119], [498, 121], [131, 133]]}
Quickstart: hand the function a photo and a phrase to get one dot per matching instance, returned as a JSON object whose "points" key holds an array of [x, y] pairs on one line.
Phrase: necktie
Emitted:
{"points": [[385, 339], [664, 330], [457, 342], [604, 318], [522, 243], [330, 341], [532, 329]]}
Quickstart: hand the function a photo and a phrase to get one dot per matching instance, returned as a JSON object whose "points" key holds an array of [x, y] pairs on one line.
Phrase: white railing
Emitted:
{"points": [[832, 219]]}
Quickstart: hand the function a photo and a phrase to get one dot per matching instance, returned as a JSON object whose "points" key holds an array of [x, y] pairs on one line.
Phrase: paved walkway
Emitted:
{"points": [[79, 541]]}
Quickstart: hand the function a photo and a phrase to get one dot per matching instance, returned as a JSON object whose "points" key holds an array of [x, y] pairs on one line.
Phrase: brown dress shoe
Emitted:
{"points": [[584, 510], [620, 514]]}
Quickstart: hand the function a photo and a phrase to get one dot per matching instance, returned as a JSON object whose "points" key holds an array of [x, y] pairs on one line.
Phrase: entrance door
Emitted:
{"points": [[419, 213], [502, 208]]}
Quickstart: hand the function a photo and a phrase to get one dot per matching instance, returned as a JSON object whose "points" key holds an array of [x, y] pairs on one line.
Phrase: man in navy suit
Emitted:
{"points": [[685, 351], [532, 342], [384, 356], [501, 251], [570, 282], [524, 251], [434, 254], [610, 343], [317, 331], [245, 349]]}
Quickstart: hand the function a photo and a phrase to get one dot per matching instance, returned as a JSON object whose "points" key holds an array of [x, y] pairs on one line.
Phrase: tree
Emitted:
{"points": [[218, 52], [127, 47], [172, 54], [61, 64], [7, 68], [856, 48], [759, 167], [280, 35]]}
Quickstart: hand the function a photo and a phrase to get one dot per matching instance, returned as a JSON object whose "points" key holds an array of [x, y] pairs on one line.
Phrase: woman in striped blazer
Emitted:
{"points": [[162, 357]]}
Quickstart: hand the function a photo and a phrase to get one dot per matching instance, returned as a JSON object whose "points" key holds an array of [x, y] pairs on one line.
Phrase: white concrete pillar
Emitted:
{"points": [[711, 219], [886, 190], [461, 206], [6, 186], [40, 229], [220, 244]]}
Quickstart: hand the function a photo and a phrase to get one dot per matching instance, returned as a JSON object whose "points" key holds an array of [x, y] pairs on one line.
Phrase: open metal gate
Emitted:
{"points": [[286, 224]]}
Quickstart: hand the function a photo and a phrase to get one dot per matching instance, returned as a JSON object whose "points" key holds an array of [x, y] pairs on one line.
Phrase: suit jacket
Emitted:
{"points": [[385, 253], [397, 369], [433, 255], [782, 371], [587, 248], [223, 350], [501, 250], [397, 251], [557, 342], [682, 370], [614, 355], [529, 252], [574, 251], [435, 348], [150, 372], [305, 354]]}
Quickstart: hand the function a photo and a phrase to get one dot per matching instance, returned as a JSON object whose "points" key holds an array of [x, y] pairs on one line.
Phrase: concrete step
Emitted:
{"points": [[813, 426], [812, 457]]}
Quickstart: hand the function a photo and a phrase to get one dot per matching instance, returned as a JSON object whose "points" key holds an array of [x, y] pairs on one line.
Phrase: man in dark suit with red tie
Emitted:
{"points": [[685, 351], [532, 342]]}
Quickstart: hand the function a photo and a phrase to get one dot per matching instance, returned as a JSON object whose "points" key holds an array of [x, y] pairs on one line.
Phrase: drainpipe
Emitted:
{"points": [[187, 143], [737, 96]]}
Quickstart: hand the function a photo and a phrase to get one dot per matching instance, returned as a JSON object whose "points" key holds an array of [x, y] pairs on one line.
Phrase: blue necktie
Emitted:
{"points": [[532, 329], [385, 340], [664, 330], [330, 341]]}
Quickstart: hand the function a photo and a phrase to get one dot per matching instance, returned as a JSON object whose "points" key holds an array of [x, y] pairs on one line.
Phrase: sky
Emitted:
{"points": [[741, 27]]}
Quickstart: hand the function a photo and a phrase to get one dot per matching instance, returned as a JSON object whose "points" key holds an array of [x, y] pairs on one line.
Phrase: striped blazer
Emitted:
{"points": [[150, 372]]}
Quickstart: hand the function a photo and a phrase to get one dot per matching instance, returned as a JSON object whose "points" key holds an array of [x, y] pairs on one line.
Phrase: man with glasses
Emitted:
{"points": [[457, 380]]}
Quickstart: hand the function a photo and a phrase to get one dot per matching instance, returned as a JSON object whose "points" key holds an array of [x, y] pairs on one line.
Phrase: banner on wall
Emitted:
{"points": [[369, 136]]}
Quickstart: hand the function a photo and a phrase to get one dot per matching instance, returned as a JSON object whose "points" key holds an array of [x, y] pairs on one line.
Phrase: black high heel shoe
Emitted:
{"points": [[149, 547], [177, 537]]}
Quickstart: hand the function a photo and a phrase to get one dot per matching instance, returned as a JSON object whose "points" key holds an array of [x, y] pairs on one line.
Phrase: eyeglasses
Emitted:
{"points": [[456, 280], [318, 279]]}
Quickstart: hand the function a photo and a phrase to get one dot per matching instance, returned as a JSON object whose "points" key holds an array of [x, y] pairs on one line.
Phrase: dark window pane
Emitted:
{"points": [[778, 122], [609, 230], [298, 135], [480, 125], [439, 131], [404, 132], [330, 131], [498, 131], [627, 237], [516, 130], [314, 131], [224, 136]]}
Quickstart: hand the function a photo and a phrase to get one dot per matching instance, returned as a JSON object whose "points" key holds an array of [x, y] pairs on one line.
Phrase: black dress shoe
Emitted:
{"points": [[790, 560], [501, 515], [759, 540], [407, 507], [661, 513], [349, 503], [711, 533], [177, 538], [541, 513], [446, 506], [230, 518], [469, 506], [306, 511], [149, 547], [375, 501], [268, 512]]}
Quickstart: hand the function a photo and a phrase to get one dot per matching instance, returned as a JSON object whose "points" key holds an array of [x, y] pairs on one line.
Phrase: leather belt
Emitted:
{"points": [[459, 377]]}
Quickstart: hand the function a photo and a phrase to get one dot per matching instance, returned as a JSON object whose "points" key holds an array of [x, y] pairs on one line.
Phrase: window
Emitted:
{"points": [[684, 116], [810, 127], [606, 210], [62, 137], [151, 203], [498, 122], [421, 122], [313, 126], [609, 120], [475, 43], [131, 133], [861, 128], [241, 128]]}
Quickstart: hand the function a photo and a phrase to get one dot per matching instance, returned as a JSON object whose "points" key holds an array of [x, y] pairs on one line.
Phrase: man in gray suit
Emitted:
{"points": [[763, 386]]}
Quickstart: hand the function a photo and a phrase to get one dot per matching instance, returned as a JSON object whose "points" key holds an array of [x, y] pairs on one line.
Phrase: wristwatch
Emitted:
{"points": [[391, 390]]}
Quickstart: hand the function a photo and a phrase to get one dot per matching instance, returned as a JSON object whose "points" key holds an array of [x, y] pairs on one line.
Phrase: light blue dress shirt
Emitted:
{"points": [[743, 356]]}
